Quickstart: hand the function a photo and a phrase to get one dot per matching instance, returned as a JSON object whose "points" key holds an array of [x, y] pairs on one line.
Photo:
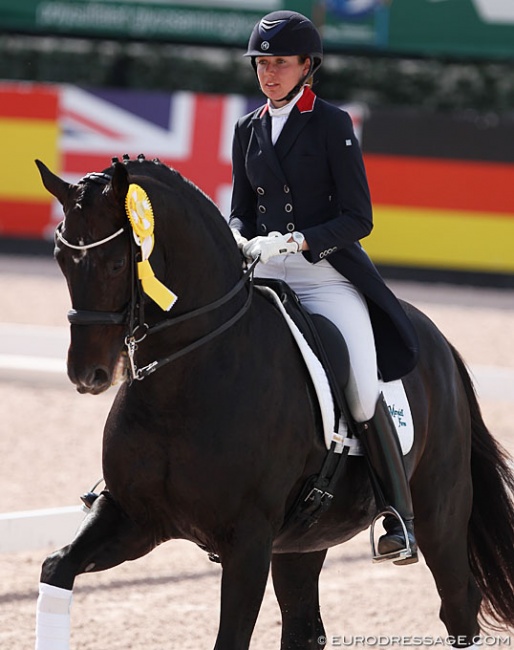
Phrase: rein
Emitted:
{"points": [[127, 315], [131, 342]]}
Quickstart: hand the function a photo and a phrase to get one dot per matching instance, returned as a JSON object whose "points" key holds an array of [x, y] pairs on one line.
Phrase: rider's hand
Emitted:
{"points": [[268, 247], [240, 240]]}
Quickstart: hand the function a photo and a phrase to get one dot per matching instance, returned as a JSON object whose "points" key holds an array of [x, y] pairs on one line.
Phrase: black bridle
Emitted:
{"points": [[132, 340], [133, 314], [85, 316]]}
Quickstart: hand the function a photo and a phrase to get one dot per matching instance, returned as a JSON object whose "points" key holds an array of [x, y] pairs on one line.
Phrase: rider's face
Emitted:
{"points": [[278, 75]]}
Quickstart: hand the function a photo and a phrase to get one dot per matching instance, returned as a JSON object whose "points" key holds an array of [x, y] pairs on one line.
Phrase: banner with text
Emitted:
{"points": [[472, 28]]}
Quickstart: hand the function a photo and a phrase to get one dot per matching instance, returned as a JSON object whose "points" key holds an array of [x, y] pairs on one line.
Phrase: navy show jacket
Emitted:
{"points": [[313, 180]]}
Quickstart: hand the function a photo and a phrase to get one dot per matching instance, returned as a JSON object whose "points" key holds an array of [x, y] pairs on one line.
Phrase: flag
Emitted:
{"points": [[28, 130], [187, 131]]}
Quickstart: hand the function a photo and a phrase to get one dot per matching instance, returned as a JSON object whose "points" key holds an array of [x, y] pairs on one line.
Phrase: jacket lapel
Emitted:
{"points": [[292, 129], [296, 122], [262, 129]]}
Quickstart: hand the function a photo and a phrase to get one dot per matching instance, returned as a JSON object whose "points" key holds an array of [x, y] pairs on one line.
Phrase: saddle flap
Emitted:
{"points": [[335, 348], [323, 337]]}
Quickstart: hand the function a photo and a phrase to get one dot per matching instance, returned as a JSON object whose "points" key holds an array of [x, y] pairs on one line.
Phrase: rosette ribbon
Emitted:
{"points": [[140, 215]]}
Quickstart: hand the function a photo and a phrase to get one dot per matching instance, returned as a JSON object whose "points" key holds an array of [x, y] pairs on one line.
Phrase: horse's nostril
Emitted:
{"points": [[100, 377]]}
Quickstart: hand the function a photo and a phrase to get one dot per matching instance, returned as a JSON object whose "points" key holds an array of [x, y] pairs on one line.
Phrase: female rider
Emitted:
{"points": [[301, 202]]}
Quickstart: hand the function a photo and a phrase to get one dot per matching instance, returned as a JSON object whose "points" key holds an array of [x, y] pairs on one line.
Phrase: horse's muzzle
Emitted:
{"points": [[96, 380]]}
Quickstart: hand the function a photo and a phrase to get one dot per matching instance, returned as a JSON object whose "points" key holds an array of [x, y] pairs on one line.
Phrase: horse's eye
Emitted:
{"points": [[118, 265]]}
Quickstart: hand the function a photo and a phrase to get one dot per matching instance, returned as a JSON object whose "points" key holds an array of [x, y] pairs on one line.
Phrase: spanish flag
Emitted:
{"points": [[28, 130]]}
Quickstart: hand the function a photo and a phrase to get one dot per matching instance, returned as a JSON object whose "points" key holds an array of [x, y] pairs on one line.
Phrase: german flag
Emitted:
{"points": [[28, 130], [442, 189]]}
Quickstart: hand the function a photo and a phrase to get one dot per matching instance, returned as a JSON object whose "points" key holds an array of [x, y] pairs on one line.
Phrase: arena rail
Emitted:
{"points": [[31, 530]]}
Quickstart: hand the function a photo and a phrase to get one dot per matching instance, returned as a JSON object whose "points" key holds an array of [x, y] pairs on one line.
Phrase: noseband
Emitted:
{"points": [[137, 327]]}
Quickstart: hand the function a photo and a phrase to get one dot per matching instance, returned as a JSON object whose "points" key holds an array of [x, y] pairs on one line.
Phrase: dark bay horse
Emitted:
{"points": [[217, 434]]}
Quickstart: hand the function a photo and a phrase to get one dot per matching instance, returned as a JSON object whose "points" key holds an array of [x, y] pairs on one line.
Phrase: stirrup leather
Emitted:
{"points": [[401, 554]]}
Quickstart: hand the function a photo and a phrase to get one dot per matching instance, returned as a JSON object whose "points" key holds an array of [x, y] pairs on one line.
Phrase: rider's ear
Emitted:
{"points": [[119, 184], [55, 185]]}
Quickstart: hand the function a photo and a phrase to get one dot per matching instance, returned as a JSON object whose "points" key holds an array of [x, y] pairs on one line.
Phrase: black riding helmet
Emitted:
{"points": [[286, 33]]}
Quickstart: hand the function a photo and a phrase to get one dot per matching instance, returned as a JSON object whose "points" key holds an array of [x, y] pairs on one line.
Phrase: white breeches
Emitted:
{"points": [[322, 290]]}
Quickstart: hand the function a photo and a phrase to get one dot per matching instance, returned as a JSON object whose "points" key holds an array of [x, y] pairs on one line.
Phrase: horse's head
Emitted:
{"points": [[96, 251], [93, 250]]}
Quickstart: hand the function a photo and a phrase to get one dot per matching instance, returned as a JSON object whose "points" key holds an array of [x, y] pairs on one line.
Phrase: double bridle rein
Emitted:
{"points": [[133, 316]]}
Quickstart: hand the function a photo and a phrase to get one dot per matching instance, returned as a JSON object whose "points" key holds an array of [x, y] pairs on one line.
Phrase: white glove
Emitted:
{"points": [[240, 240], [268, 247]]}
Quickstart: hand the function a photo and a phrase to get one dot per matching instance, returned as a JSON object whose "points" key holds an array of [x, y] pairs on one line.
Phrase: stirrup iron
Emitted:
{"points": [[401, 554]]}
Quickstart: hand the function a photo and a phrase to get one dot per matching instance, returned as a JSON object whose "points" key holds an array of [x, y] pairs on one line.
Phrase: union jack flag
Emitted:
{"points": [[190, 132]]}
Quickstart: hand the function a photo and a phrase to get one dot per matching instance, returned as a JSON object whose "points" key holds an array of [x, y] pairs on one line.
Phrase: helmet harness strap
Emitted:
{"points": [[292, 93]]}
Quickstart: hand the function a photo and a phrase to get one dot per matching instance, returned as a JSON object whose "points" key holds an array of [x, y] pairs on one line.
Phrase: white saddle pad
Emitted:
{"points": [[394, 394]]}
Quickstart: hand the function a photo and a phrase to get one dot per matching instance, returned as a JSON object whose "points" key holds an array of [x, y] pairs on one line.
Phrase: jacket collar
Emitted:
{"points": [[305, 104], [264, 111]]}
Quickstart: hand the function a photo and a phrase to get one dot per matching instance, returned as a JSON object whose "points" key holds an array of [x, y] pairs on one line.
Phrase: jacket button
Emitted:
{"points": [[288, 207], [290, 227], [262, 209], [286, 189], [260, 190]]}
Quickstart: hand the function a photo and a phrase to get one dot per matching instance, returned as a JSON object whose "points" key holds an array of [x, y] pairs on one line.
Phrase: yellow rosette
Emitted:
{"points": [[140, 215]]}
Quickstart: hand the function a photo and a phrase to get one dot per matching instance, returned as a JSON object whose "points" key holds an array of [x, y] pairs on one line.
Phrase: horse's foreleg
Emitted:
{"points": [[105, 539], [245, 572], [295, 579]]}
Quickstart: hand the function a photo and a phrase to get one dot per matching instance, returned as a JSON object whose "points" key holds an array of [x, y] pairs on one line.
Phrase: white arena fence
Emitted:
{"points": [[32, 530]]}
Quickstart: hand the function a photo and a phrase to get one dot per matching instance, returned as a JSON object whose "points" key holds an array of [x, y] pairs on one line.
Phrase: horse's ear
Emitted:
{"points": [[55, 185], [119, 184]]}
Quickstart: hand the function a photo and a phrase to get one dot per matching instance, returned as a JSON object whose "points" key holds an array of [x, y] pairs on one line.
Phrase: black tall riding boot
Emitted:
{"points": [[382, 447]]}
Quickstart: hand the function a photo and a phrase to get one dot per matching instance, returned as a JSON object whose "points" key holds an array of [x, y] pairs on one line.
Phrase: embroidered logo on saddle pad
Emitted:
{"points": [[396, 399]]}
